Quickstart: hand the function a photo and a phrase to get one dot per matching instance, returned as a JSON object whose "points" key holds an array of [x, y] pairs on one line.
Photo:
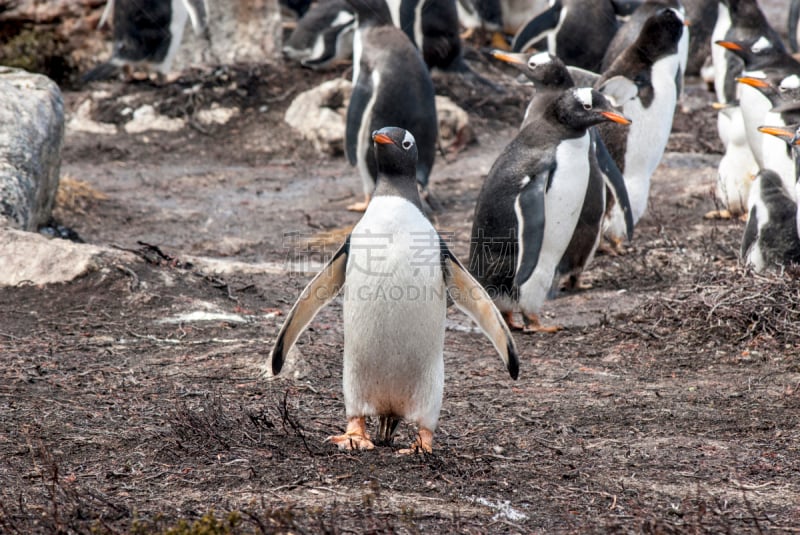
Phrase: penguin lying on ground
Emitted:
{"points": [[147, 32], [577, 31], [391, 85], [549, 74], [642, 82], [530, 203], [393, 340], [323, 36]]}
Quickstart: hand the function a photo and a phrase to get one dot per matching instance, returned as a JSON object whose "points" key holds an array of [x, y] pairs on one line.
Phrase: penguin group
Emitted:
{"points": [[575, 179]]}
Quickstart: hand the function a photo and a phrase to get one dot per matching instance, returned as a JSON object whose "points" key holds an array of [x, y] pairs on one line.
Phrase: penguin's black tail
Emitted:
{"points": [[104, 71], [386, 428]]}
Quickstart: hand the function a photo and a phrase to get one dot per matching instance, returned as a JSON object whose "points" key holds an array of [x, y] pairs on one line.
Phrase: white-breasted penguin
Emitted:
{"points": [[770, 237], [758, 54], [577, 31], [549, 74], [642, 82], [397, 274], [531, 201], [790, 134], [629, 31], [391, 85], [148, 33], [323, 35]]}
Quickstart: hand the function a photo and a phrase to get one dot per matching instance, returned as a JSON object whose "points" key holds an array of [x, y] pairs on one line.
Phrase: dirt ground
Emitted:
{"points": [[670, 403]]}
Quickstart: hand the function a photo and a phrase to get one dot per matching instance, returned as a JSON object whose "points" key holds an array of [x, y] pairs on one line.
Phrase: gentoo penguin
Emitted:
{"points": [[323, 35], [770, 236], [507, 16], [779, 89], [148, 32], [432, 25], [790, 134], [737, 168], [629, 31], [531, 201], [759, 54], [391, 85], [642, 82], [549, 74], [577, 31], [397, 274]]}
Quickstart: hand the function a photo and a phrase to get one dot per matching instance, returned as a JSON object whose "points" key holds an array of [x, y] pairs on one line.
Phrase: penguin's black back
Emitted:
{"points": [[141, 29]]}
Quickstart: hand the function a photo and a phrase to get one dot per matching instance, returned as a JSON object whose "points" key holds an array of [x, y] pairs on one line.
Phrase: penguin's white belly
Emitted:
{"points": [[737, 166], [176, 27], [754, 107], [562, 209], [648, 133], [394, 312], [776, 155]]}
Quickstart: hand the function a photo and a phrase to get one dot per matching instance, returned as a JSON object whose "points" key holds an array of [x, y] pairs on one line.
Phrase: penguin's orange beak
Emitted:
{"points": [[514, 59], [752, 82], [383, 139], [616, 117], [777, 131], [730, 45]]}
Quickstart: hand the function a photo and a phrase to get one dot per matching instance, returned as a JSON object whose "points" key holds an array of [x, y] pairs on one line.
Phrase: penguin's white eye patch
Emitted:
{"points": [[584, 96], [762, 44], [790, 82], [407, 144], [408, 140]]}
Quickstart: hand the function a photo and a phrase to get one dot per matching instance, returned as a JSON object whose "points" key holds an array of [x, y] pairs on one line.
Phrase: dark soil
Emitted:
{"points": [[670, 403]]}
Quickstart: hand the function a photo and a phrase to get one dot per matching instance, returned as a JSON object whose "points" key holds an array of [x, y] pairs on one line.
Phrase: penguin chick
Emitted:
{"points": [[530, 202], [397, 274], [391, 85]]}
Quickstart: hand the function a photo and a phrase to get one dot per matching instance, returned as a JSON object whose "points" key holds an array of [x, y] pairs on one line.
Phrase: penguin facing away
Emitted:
{"points": [[393, 340], [642, 82], [391, 85], [549, 74], [577, 31], [147, 32], [531, 200], [322, 36], [770, 237]]}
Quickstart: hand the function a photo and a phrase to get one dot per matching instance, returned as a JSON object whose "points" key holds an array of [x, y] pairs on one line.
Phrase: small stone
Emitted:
{"points": [[146, 118]]}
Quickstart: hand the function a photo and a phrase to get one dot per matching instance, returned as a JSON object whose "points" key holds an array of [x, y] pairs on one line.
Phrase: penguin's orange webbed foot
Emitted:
{"points": [[511, 322], [423, 443], [355, 437], [360, 206], [533, 325], [718, 214]]}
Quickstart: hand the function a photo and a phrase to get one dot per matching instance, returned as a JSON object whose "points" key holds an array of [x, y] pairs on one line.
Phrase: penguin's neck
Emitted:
{"points": [[398, 186]]}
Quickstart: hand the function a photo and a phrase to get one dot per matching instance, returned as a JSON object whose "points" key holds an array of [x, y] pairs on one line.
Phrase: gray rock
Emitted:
{"points": [[319, 115], [239, 31], [31, 136]]}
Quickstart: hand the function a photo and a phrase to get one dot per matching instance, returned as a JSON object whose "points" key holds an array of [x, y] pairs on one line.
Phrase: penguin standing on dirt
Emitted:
{"points": [[148, 32], [531, 201], [577, 31], [790, 134], [391, 85], [322, 36], [397, 273], [549, 75], [643, 82]]}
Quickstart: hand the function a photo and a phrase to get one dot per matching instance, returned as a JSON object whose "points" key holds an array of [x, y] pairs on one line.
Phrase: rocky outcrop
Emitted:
{"points": [[31, 135], [319, 115]]}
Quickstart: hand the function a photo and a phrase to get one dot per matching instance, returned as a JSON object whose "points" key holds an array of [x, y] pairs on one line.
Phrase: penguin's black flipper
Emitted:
{"points": [[198, 14], [104, 71], [471, 298], [531, 206], [537, 28], [624, 8], [750, 234], [362, 92], [319, 292], [614, 179], [794, 14]]}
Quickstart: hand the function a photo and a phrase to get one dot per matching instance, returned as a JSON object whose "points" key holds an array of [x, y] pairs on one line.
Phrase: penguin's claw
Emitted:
{"points": [[718, 214], [355, 437], [533, 325], [423, 443]]}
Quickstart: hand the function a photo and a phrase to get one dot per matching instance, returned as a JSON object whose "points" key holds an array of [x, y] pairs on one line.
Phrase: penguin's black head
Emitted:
{"points": [[660, 34], [754, 52], [371, 12], [579, 108], [543, 69], [395, 152]]}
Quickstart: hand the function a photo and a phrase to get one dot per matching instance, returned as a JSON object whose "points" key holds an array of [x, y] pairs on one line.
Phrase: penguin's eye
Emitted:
{"points": [[407, 144], [587, 106]]}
